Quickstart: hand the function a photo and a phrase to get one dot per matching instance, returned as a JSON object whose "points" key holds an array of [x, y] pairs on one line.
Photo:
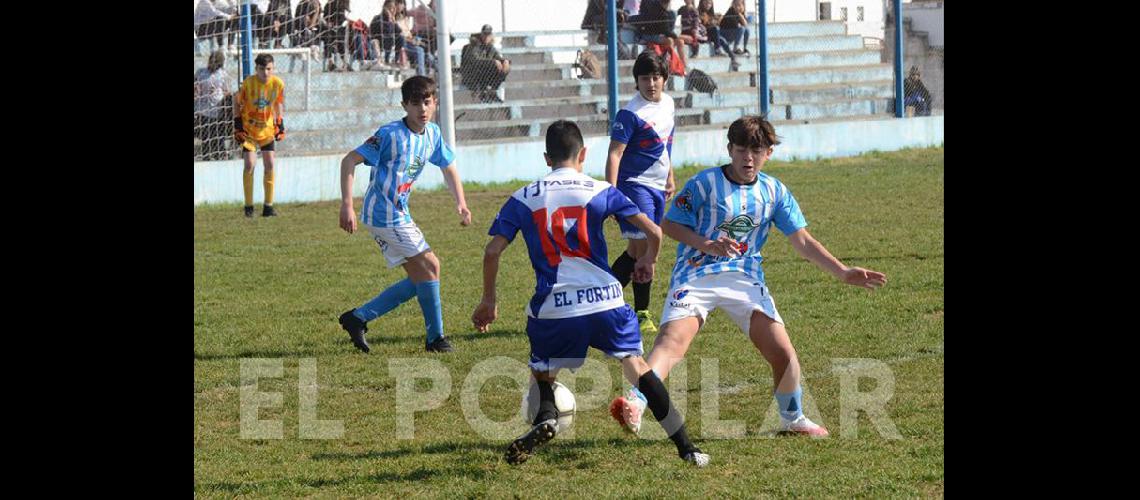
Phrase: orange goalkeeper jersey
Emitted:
{"points": [[258, 100]]}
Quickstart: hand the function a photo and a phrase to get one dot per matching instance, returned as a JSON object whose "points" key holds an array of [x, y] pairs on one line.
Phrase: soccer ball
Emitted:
{"points": [[563, 400]]}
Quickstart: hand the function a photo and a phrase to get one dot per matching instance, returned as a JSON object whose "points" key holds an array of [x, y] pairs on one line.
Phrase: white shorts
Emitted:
{"points": [[735, 292], [399, 243]]}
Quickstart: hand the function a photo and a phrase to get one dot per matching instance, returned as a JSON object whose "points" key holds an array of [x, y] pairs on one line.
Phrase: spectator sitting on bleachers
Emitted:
{"points": [[424, 27], [915, 93], [335, 16], [482, 67], [691, 26], [711, 20], [655, 25], [734, 27], [412, 44], [595, 22], [307, 24], [274, 24], [386, 33]]}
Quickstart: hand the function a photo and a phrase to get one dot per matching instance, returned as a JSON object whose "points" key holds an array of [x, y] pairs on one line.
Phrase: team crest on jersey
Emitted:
{"points": [[414, 169], [684, 201], [373, 141], [618, 126], [738, 227], [680, 294]]}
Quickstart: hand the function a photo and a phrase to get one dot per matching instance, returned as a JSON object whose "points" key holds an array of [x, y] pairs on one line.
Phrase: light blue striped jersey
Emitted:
{"points": [[712, 205], [646, 128], [397, 157]]}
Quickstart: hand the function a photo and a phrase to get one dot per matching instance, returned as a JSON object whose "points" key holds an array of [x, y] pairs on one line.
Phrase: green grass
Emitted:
{"points": [[272, 288]]}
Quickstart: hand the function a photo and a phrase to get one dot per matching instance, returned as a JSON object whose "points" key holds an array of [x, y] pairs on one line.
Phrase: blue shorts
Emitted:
{"points": [[650, 201], [562, 343]]}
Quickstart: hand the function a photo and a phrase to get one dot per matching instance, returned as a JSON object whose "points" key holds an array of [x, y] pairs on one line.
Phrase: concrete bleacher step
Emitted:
{"points": [[830, 74], [723, 97], [812, 43], [356, 116], [357, 97], [833, 91], [346, 80], [339, 140], [723, 79], [539, 72], [541, 55], [548, 108], [853, 57], [806, 28], [832, 109]]}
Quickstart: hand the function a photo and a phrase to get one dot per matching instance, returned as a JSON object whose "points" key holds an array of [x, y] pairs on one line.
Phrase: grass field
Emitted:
{"points": [[272, 288]]}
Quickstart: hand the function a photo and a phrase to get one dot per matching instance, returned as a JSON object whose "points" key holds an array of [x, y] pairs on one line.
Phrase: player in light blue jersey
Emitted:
{"points": [[577, 303], [639, 165], [397, 153], [721, 219]]}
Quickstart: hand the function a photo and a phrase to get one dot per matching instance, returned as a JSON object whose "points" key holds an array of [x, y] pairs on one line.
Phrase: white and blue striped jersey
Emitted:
{"points": [[397, 157], [646, 128], [712, 205], [561, 218]]}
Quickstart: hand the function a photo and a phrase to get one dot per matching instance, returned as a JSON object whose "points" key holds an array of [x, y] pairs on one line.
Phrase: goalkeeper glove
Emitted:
{"points": [[239, 130]]}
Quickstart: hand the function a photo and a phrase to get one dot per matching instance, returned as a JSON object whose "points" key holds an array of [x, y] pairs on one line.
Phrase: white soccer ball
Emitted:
{"points": [[563, 400]]}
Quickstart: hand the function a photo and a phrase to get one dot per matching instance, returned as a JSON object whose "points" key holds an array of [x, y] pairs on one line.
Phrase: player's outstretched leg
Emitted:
{"points": [[771, 339], [545, 426], [657, 400], [356, 329]]}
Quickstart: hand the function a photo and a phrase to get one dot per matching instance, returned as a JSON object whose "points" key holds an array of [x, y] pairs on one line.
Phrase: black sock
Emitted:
{"points": [[546, 408], [662, 408], [623, 268], [641, 295]]}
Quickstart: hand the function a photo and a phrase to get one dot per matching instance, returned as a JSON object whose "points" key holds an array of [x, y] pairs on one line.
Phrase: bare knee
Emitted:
{"points": [[429, 267], [432, 266]]}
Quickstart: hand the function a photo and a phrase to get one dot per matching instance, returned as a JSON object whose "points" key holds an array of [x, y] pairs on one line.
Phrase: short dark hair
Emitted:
{"points": [[563, 140], [262, 59], [649, 63], [752, 131], [417, 88]]}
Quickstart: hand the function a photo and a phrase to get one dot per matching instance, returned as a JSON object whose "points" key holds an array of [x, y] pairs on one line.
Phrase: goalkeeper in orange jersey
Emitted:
{"points": [[258, 123]]}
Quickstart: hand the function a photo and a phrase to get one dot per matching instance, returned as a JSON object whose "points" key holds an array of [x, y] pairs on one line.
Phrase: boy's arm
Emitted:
{"points": [[347, 174], [670, 185], [238, 103], [279, 122], [722, 247], [814, 251], [451, 178], [613, 160], [643, 269], [486, 312]]}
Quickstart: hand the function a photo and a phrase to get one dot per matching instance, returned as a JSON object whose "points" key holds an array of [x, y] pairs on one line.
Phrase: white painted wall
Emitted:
{"points": [[929, 17], [873, 16]]}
